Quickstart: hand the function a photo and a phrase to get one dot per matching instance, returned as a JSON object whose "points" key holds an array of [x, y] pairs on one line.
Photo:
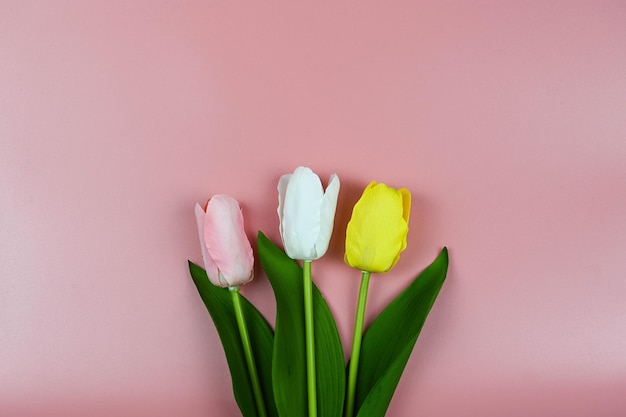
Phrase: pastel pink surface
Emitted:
{"points": [[504, 119]]}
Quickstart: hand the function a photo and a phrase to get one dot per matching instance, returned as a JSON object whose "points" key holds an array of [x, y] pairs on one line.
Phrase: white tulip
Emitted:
{"points": [[306, 213]]}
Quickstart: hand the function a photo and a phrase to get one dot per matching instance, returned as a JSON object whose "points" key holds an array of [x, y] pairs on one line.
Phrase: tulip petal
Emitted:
{"points": [[327, 215], [282, 191], [226, 241], [370, 186], [406, 203], [406, 212], [301, 214], [209, 265]]}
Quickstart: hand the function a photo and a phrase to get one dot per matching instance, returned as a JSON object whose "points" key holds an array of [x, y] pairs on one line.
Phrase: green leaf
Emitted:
{"points": [[289, 364], [219, 303], [388, 342]]}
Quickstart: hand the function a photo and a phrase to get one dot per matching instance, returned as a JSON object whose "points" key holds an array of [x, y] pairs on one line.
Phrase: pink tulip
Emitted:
{"points": [[226, 250]]}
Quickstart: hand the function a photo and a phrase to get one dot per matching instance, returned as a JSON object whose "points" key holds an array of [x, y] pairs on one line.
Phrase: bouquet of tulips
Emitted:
{"points": [[298, 369]]}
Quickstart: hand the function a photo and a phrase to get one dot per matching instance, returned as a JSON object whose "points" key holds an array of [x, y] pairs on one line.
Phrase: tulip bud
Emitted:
{"points": [[306, 213], [377, 230], [226, 250]]}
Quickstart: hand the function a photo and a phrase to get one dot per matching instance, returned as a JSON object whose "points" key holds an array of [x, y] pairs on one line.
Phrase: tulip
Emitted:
{"points": [[229, 262], [306, 213], [375, 236], [226, 250], [377, 231]]}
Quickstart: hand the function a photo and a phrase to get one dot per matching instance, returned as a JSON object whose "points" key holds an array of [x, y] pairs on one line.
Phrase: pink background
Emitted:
{"points": [[505, 119]]}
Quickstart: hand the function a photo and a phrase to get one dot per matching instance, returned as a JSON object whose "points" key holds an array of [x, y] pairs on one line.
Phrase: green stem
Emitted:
{"points": [[247, 348], [356, 343], [310, 340]]}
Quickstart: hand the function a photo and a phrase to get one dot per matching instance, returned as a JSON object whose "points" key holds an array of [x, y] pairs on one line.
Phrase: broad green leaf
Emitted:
{"points": [[218, 302], [388, 342], [289, 363]]}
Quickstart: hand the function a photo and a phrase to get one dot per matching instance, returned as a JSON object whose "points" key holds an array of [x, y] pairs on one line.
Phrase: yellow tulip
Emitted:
{"points": [[376, 233]]}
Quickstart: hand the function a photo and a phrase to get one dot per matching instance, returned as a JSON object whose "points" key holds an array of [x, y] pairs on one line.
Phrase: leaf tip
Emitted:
{"points": [[444, 256], [261, 237], [191, 265]]}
